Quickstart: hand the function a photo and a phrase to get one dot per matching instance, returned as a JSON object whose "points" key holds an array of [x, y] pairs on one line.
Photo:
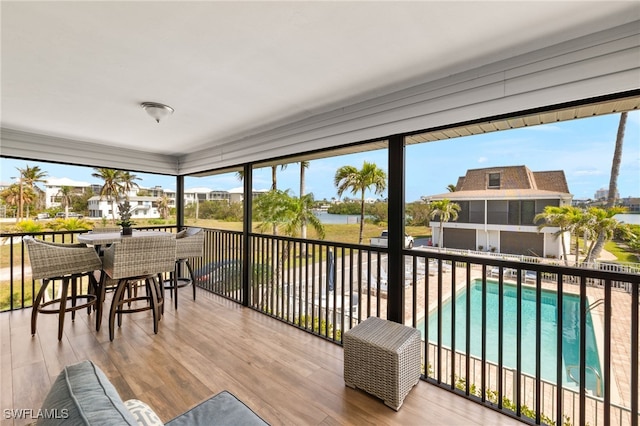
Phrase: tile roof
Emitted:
{"points": [[513, 177], [516, 181]]}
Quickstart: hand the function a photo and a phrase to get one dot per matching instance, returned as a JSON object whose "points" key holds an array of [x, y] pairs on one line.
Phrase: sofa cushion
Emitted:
{"points": [[82, 395], [222, 409]]}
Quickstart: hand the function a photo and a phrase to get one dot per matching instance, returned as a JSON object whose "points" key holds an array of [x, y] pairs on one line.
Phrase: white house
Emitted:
{"points": [[236, 195], [498, 205], [53, 186], [141, 207]]}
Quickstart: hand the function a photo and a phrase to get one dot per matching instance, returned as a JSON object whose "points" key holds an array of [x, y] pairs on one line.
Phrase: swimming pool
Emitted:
{"points": [[570, 332]]}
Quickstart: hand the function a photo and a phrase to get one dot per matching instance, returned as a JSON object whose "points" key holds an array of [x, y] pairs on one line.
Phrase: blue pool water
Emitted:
{"points": [[570, 332]]}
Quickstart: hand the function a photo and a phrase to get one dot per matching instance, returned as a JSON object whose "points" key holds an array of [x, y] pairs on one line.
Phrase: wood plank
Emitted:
{"points": [[284, 374]]}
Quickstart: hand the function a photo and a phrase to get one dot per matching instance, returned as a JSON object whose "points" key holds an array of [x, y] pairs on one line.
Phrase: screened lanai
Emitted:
{"points": [[266, 83]]}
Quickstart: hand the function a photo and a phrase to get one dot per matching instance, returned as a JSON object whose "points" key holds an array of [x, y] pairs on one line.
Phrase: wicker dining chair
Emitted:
{"points": [[68, 263], [136, 259], [189, 244], [110, 285]]}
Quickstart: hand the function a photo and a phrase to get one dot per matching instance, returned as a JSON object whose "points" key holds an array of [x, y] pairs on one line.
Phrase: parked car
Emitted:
{"points": [[42, 216], [383, 240], [61, 215]]}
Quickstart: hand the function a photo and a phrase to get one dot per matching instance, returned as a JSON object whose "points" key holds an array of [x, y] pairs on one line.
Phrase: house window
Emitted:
{"points": [[527, 212], [514, 212], [494, 180]]}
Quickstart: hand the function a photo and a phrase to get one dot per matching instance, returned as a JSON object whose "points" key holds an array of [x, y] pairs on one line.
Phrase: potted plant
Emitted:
{"points": [[124, 210]]}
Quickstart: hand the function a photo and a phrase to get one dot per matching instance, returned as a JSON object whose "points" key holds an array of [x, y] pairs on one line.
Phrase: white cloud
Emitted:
{"points": [[483, 160]]}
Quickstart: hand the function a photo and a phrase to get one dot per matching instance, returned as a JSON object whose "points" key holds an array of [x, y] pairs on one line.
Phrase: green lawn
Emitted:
{"points": [[621, 253]]}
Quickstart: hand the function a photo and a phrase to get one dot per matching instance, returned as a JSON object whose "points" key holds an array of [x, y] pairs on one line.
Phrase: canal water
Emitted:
{"points": [[630, 219]]}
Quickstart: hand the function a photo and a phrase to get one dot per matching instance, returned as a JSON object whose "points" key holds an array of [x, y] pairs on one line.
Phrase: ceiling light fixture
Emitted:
{"points": [[156, 110]]}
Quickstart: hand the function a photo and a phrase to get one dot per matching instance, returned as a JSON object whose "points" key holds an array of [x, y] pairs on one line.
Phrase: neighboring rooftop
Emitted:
{"points": [[509, 181]]}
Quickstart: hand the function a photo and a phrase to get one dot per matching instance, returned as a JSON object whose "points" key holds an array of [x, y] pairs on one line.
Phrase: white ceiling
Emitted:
{"points": [[79, 70]]}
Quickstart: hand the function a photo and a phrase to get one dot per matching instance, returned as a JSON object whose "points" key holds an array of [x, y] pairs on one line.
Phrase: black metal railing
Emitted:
{"points": [[543, 343], [536, 341], [324, 288], [220, 268]]}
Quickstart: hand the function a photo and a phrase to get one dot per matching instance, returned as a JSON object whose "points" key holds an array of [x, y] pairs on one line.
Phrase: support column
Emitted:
{"points": [[180, 202], [246, 230], [395, 273]]}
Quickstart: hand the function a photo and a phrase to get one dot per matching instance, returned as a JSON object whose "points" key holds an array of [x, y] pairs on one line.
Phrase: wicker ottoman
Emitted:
{"points": [[382, 358]]}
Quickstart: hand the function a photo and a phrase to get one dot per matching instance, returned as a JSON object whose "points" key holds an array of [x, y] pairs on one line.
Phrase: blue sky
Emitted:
{"points": [[582, 148]]}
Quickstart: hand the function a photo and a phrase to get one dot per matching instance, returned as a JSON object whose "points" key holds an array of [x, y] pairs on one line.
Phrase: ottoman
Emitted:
{"points": [[383, 359]]}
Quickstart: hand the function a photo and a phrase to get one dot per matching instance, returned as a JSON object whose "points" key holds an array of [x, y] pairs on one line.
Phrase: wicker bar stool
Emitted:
{"points": [[67, 263], [189, 244], [135, 259]]}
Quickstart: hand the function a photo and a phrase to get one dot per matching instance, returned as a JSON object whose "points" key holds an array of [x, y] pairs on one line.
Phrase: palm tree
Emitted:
{"points": [[445, 210], [303, 225], [301, 213], [602, 228], [556, 217], [280, 209], [274, 185], [11, 196], [127, 181], [163, 206], [613, 179], [16, 195], [451, 188], [31, 176], [578, 225], [111, 188], [65, 193], [354, 180]]}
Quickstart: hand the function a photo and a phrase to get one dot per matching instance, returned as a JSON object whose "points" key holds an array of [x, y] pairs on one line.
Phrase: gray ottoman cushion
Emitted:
{"points": [[82, 395], [222, 409]]}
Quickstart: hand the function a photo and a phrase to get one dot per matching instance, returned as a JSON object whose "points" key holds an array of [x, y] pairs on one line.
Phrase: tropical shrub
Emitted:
{"points": [[29, 226], [70, 224]]}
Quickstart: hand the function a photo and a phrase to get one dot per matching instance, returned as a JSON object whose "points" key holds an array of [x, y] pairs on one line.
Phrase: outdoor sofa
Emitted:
{"points": [[83, 395]]}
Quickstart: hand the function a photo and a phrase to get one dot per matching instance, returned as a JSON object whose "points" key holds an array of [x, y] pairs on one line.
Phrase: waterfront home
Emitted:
{"points": [[497, 207]]}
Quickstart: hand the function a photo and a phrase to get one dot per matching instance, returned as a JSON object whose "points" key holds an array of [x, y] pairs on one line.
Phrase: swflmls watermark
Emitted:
{"points": [[29, 413]]}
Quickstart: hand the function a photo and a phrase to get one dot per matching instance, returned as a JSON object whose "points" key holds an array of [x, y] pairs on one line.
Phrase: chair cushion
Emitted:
{"points": [[222, 409], [82, 395]]}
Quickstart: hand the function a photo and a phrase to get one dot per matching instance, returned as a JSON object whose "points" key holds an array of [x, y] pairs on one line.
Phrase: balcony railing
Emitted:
{"points": [[543, 343]]}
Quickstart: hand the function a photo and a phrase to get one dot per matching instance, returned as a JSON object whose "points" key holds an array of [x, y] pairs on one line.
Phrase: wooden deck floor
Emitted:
{"points": [[287, 376]]}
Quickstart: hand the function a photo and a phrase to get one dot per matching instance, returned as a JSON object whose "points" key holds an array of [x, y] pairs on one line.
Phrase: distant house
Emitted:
{"points": [[632, 204], [53, 188], [145, 207], [236, 195], [498, 205]]}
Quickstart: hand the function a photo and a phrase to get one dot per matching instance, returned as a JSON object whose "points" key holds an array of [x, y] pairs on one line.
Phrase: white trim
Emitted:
{"points": [[594, 65]]}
